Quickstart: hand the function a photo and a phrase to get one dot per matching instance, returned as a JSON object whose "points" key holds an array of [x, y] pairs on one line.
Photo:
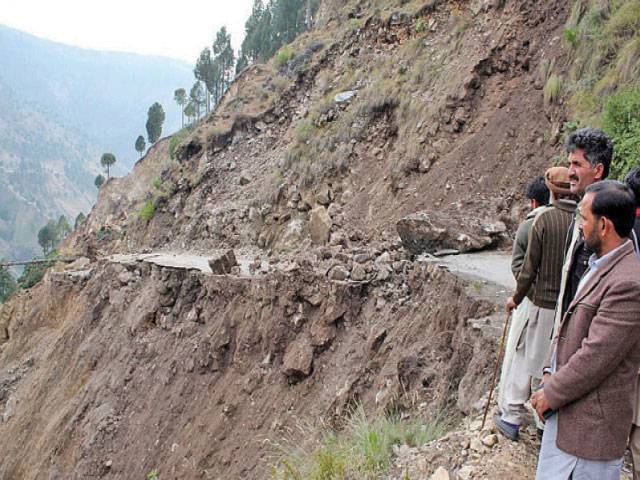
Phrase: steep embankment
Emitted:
{"points": [[114, 370], [304, 169]]}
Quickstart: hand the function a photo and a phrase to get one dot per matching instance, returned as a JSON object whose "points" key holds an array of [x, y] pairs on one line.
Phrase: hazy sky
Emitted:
{"points": [[173, 29]]}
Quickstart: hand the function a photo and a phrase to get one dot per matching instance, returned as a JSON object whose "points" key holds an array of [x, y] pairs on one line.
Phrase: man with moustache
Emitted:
{"points": [[590, 152], [587, 393]]}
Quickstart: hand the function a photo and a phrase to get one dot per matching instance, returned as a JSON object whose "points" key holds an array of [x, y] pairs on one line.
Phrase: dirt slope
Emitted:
{"points": [[112, 371]]}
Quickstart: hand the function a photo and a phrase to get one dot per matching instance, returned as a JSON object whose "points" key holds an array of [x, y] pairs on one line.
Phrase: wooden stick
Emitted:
{"points": [[496, 369]]}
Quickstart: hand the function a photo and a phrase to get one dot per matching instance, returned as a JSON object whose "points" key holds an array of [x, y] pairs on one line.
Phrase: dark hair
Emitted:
{"points": [[632, 180], [615, 201], [595, 144], [537, 190]]}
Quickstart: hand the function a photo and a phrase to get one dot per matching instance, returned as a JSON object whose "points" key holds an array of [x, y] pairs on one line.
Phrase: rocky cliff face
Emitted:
{"points": [[118, 367]]}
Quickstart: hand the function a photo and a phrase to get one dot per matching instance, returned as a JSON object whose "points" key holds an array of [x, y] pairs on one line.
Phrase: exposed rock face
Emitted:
{"points": [[319, 225], [429, 232], [223, 263]]}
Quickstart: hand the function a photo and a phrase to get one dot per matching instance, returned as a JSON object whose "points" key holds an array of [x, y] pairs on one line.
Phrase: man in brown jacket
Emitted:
{"points": [[588, 386]]}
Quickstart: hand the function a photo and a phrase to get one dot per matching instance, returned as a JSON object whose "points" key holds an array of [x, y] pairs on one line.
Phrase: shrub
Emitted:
{"points": [[283, 56], [304, 131], [621, 121], [147, 211], [421, 25], [570, 36], [363, 449], [552, 89]]}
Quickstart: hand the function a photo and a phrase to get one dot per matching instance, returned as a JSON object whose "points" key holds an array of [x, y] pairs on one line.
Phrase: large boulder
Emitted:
{"points": [[297, 363], [430, 231], [223, 263], [320, 225]]}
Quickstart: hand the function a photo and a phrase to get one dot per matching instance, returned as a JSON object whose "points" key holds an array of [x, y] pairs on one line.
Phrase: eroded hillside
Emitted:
{"points": [[118, 366]]}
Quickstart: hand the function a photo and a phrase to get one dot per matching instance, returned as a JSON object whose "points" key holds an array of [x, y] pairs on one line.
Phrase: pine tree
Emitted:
{"points": [[180, 96], [141, 144], [197, 97], [106, 161], [155, 119], [99, 181], [80, 219], [204, 73], [7, 284]]}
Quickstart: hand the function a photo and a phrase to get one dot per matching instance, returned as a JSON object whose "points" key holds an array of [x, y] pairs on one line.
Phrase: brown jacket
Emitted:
{"points": [[597, 359]]}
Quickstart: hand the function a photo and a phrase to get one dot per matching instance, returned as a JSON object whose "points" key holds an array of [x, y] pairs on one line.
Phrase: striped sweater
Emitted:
{"points": [[542, 267]]}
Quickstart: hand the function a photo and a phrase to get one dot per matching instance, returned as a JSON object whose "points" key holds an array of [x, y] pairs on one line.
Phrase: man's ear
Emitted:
{"points": [[599, 171]]}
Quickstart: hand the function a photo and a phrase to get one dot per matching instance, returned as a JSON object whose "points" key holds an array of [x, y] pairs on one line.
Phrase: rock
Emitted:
{"points": [[298, 360], [324, 195], [245, 179], [429, 232], [466, 472], [384, 272], [78, 264], [362, 257], [476, 445], [490, 440], [358, 273], [440, 474], [125, 277], [344, 96], [384, 258], [339, 272], [223, 263], [319, 225]]}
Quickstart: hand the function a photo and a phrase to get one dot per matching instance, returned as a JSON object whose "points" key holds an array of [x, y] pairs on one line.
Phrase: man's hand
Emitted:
{"points": [[510, 305], [539, 402]]}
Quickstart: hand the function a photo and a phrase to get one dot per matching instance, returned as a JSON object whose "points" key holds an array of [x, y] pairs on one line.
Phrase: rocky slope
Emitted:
{"points": [[116, 367]]}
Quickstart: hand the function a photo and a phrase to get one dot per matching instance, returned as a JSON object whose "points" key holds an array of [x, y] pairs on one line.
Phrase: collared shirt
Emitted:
{"points": [[595, 263]]}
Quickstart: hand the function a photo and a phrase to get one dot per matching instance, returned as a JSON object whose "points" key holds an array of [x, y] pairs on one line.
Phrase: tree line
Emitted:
{"points": [[269, 26], [49, 238]]}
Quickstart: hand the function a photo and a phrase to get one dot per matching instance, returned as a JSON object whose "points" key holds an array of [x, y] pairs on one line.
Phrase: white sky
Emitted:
{"points": [[171, 29]]}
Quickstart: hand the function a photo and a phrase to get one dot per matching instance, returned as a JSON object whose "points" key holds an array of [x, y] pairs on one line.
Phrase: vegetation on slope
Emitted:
{"points": [[362, 450], [603, 41]]}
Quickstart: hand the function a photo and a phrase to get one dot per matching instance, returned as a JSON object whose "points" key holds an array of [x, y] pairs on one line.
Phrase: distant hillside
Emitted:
{"points": [[61, 107], [105, 95], [46, 170]]}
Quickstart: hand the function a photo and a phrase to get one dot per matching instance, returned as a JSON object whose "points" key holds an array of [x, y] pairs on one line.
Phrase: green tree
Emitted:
{"points": [[47, 236], [62, 229], [155, 119], [197, 97], [224, 58], [7, 284], [106, 161], [140, 145], [190, 112], [203, 72], [180, 96], [99, 181], [80, 219]]}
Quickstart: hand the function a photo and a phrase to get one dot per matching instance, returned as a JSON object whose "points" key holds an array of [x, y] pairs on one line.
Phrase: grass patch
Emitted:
{"points": [[552, 89], [283, 56], [362, 450], [147, 211], [176, 139]]}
